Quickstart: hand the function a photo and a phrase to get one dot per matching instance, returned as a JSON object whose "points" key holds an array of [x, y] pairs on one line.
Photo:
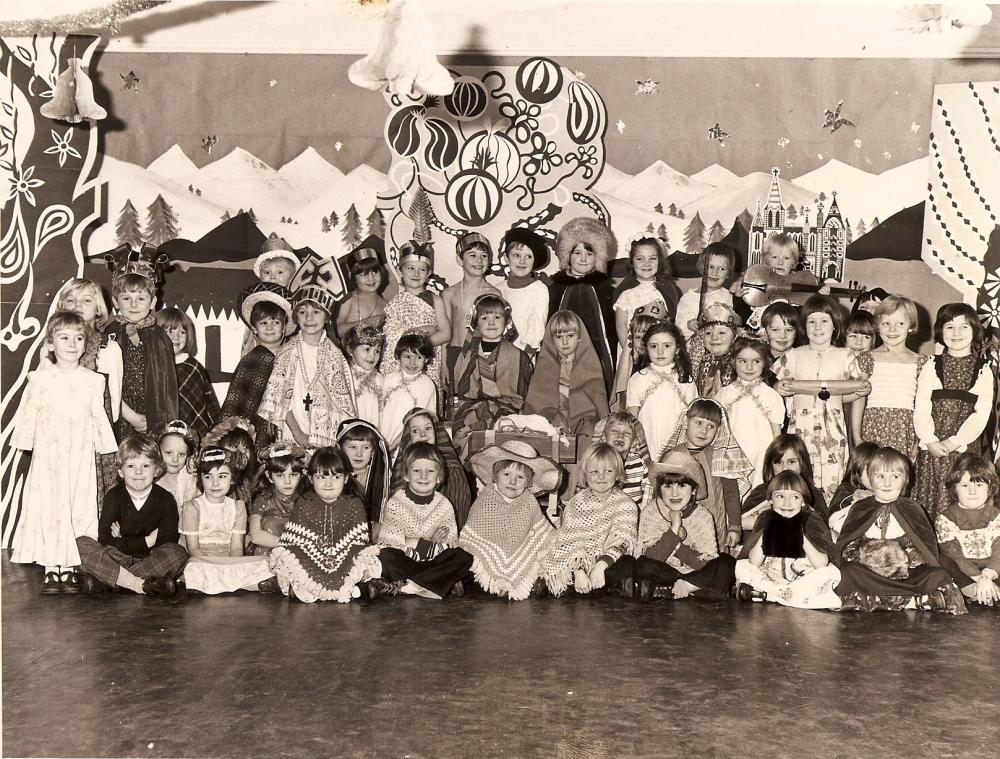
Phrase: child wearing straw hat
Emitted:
{"points": [[507, 531]]}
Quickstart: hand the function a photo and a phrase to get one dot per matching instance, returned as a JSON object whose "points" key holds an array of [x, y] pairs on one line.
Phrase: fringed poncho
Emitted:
{"points": [[404, 518], [324, 552], [591, 529], [507, 541]]}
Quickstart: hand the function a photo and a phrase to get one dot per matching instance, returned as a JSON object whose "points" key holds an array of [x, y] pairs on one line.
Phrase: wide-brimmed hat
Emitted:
{"points": [[547, 473], [275, 247], [266, 291], [531, 240], [683, 463]]}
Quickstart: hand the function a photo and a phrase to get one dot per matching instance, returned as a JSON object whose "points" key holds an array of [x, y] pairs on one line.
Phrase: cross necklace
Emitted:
{"points": [[308, 400]]}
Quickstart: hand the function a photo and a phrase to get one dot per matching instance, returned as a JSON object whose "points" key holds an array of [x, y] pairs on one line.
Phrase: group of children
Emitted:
{"points": [[381, 446]]}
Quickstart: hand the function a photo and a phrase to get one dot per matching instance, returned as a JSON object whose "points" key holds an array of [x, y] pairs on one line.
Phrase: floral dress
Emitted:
{"points": [[888, 418]]}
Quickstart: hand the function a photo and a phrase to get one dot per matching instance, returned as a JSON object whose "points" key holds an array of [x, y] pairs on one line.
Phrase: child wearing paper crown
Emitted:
{"points": [[786, 559], [266, 309], [475, 256], [677, 554], [149, 381], [489, 376], [528, 294], [309, 391], [365, 275], [363, 345], [415, 308], [507, 532], [584, 247]]}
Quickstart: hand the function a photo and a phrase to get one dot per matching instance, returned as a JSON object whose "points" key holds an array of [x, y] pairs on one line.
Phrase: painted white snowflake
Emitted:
{"points": [[914, 127], [646, 86], [857, 143], [272, 83], [819, 156], [62, 146], [338, 145], [887, 155], [620, 126], [783, 142], [992, 312]]}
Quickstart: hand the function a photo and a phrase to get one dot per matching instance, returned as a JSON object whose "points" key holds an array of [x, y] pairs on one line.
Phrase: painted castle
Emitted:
{"points": [[823, 244]]}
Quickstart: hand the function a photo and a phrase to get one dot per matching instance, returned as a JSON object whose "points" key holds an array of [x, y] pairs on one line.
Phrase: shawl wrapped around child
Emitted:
{"points": [[507, 541]]}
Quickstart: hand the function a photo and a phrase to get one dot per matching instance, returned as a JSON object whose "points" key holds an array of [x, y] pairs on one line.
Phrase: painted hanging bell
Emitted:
{"points": [[73, 100]]}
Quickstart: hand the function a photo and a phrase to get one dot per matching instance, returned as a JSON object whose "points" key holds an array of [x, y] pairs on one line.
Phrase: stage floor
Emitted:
{"points": [[249, 675]]}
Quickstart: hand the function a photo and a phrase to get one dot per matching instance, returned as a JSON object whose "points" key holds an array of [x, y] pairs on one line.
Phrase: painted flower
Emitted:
{"points": [[23, 185], [62, 146], [542, 156], [523, 117], [587, 157]]}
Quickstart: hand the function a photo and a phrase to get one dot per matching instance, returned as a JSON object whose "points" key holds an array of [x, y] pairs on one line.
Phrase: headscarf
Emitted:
{"points": [[376, 490]]}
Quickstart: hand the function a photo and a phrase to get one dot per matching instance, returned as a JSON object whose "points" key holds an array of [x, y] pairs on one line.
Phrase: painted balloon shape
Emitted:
{"points": [[539, 80], [468, 99], [586, 119], [402, 133], [494, 153], [442, 149], [473, 197]]}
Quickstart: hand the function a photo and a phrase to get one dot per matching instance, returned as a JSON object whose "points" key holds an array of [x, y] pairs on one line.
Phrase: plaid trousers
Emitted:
{"points": [[105, 562]]}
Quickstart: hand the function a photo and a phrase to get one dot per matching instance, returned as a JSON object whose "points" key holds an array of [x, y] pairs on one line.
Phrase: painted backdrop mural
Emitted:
{"points": [[692, 150]]}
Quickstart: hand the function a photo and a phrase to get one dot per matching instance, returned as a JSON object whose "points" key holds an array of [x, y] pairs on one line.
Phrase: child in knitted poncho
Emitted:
{"points": [[507, 532]]}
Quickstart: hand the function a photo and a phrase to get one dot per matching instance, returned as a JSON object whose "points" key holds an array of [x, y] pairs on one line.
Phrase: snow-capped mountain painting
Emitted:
{"points": [[715, 176]]}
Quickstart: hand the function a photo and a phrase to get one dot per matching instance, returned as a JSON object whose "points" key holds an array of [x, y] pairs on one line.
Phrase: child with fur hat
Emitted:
{"points": [[677, 554], [584, 246], [309, 393], [266, 309], [527, 292], [597, 527], [507, 532], [786, 559], [474, 256], [416, 309]]}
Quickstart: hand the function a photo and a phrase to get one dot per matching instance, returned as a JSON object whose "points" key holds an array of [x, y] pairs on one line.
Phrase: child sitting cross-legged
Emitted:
{"points": [[968, 529], [324, 551], [214, 526], [597, 527], [887, 551], [787, 556], [786, 452], [136, 546], [418, 534], [677, 554], [507, 532]]}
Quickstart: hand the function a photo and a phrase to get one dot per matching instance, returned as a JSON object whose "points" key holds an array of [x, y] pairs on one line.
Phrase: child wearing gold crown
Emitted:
{"points": [[364, 274], [474, 256], [149, 380], [309, 393]]}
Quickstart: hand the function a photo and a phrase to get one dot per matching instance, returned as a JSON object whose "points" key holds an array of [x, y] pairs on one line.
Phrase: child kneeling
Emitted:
{"points": [[214, 526], [136, 546], [419, 534], [323, 552], [507, 532], [787, 557], [677, 554]]}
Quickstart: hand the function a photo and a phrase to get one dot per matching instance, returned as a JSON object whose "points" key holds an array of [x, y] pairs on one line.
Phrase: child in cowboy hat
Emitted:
{"points": [[507, 531]]}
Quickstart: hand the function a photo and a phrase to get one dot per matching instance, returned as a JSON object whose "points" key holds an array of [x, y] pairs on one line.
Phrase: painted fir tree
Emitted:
{"points": [[324, 224], [661, 234], [658, 208], [650, 229], [861, 229], [422, 215], [352, 231], [672, 209], [226, 216], [127, 229], [680, 213], [334, 219], [161, 222], [376, 223], [791, 213], [694, 235], [717, 232]]}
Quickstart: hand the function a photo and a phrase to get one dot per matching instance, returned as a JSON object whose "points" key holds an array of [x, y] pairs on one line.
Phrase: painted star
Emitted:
{"points": [[718, 134], [783, 142], [620, 126], [130, 81], [646, 86], [833, 120]]}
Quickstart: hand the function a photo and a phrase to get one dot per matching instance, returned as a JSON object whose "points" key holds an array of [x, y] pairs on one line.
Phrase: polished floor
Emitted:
{"points": [[259, 676]]}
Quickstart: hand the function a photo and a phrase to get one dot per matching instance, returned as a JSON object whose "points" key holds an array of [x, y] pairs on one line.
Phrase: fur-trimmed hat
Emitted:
{"points": [[275, 247], [590, 231], [531, 240], [266, 291], [546, 472], [683, 463]]}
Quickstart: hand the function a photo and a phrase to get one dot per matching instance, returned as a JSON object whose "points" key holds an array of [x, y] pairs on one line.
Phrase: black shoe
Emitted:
{"points": [[159, 586], [539, 589], [645, 590], [92, 586], [745, 592], [458, 589], [270, 585], [379, 587], [51, 584], [70, 581]]}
